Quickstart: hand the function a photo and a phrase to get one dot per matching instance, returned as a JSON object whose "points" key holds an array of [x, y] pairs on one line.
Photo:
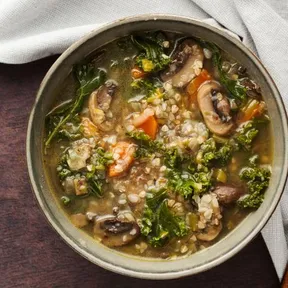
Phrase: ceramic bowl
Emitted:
{"points": [[86, 245]]}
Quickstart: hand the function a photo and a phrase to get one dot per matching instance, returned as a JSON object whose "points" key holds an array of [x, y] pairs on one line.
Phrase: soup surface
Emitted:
{"points": [[159, 145]]}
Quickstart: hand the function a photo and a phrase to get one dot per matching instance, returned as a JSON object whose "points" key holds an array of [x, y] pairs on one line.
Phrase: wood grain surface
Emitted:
{"points": [[33, 255]]}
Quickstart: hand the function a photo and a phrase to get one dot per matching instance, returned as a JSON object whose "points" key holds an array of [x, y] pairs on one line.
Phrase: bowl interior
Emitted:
{"points": [[84, 244]]}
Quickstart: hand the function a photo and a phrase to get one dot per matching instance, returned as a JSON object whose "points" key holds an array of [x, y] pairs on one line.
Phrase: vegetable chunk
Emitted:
{"points": [[123, 152]]}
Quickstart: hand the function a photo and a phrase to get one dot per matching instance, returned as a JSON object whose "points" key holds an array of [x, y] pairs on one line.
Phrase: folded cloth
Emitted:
{"points": [[33, 29]]}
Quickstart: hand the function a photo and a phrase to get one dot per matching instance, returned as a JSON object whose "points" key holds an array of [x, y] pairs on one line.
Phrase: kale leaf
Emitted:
{"points": [[63, 169], [173, 159], [100, 159], [224, 154], [95, 187], [152, 57], [153, 200], [71, 130], [159, 224], [94, 177], [208, 153], [257, 180], [236, 89], [89, 79], [246, 134], [188, 184], [146, 86], [146, 146], [150, 89]]}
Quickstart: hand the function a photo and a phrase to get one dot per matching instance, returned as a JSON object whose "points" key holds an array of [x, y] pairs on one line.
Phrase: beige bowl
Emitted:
{"points": [[111, 259]]}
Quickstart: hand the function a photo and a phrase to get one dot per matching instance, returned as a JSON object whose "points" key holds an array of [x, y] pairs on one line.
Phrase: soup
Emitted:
{"points": [[159, 145]]}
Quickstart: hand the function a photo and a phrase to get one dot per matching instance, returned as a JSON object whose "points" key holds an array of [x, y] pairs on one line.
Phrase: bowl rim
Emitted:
{"points": [[111, 266]]}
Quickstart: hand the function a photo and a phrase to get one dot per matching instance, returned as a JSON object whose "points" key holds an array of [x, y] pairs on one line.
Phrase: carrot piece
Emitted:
{"points": [[137, 73], [139, 120], [253, 109], [150, 127], [125, 156], [193, 86]]}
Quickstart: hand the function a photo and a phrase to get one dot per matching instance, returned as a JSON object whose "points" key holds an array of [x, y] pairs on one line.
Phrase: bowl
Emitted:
{"points": [[111, 259]]}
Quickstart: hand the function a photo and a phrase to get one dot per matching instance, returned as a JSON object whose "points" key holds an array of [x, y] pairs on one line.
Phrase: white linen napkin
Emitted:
{"points": [[33, 29]]}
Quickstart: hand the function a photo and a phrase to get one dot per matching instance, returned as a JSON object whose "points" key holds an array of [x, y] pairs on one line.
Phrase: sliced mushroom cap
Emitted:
{"points": [[227, 194], [210, 233], [89, 129], [187, 63], [216, 116], [99, 104], [115, 232]]}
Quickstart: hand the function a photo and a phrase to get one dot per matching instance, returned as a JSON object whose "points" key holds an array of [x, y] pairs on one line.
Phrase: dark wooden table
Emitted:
{"points": [[33, 255]]}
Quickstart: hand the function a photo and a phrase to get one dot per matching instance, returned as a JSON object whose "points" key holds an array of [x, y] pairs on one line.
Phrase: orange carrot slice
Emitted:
{"points": [[147, 122], [253, 109], [137, 73], [194, 85], [150, 127]]}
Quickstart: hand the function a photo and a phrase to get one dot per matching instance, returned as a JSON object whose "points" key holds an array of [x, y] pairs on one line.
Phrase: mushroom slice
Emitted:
{"points": [[187, 63], [227, 194], [215, 109], [99, 103], [211, 233], [89, 129], [115, 232]]}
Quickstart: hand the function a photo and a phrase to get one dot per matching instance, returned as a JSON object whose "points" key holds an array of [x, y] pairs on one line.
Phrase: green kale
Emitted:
{"points": [[152, 57], [173, 159], [94, 177], [95, 187], [146, 146], [188, 184], [146, 86], [257, 180], [166, 226], [100, 159], [159, 224], [143, 85], [224, 154], [208, 153], [89, 79], [63, 169], [71, 130], [246, 134], [65, 200], [153, 200], [150, 89], [236, 89]]}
